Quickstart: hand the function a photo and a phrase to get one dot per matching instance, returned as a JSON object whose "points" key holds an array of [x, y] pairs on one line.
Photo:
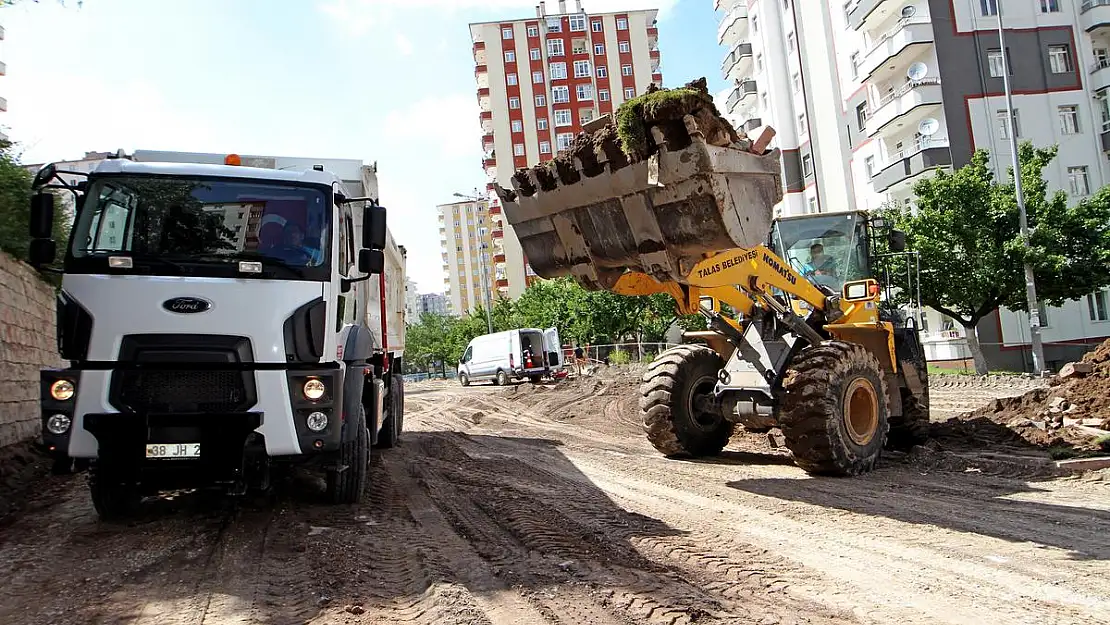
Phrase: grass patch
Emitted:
{"points": [[635, 116], [619, 357], [1062, 452]]}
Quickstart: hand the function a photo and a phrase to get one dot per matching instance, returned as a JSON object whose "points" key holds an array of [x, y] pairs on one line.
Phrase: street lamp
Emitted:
{"points": [[1030, 284], [482, 260]]}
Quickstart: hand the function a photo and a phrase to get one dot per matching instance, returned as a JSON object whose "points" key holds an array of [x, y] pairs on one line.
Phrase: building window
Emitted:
{"points": [[755, 23], [563, 141], [510, 57], [1004, 128], [988, 7], [517, 125], [578, 46], [629, 93], [541, 100], [994, 62], [577, 23], [533, 31], [581, 69], [603, 95], [535, 54], [585, 116], [541, 123], [854, 60], [622, 23], [537, 77], [506, 33], [1042, 311], [555, 47], [602, 71], [797, 83], [545, 147], [558, 71], [510, 79], [563, 118], [599, 49], [790, 41], [1103, 104], [560, 95], [584, 92], [1069, 119], [759, 62], [624, 47], [514, 102], [1077, 178], [518, 149], [861, 115], [554, 25], [1050, 6], [597, 26], [807, 165], [869, 166], [802, 124], [1096, 305], [812, 205], [1059, 59], [626, 70]]}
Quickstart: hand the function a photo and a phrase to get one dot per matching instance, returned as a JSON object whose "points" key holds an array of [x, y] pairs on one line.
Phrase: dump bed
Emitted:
{"points": [[660, 215]]}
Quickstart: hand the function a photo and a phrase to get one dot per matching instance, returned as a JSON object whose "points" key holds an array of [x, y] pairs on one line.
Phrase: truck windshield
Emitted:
{"points": [[207, 220], [828, 249]]}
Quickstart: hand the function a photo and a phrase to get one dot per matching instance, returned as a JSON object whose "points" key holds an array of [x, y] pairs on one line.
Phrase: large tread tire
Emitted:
{"points": [[811, 409], [347, 486], [390, 434], [912, 428], [112, 500], [665, 404]]}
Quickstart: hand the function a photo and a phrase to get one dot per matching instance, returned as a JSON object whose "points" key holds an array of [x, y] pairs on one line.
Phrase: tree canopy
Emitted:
{"points": [[15, 206], [966, 230]]}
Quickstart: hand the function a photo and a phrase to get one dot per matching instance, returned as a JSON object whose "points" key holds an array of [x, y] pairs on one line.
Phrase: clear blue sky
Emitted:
{"points": [[390, 81]]}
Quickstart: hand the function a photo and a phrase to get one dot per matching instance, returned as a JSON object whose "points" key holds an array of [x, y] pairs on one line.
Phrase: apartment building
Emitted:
{"points": [[466, 239], [3, 100], [869, 96], [539, 79]]}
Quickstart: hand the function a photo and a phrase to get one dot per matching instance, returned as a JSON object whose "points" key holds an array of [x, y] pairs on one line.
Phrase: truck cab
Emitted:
{"points": [[215, 321]]}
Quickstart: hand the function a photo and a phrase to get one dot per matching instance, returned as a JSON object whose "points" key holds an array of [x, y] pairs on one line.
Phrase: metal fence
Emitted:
{"points": [[618, 353], [1003, 358]]}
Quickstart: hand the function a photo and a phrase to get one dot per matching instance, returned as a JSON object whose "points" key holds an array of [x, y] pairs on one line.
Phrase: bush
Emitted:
{"points": [[619, 357]]}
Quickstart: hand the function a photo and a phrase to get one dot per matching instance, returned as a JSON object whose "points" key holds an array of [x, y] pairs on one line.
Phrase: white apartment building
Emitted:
{"points": [[466, 238], [868, 96], [539, 80]]}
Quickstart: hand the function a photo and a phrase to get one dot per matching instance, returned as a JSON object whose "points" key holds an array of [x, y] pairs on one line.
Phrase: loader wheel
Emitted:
{"points": [[345, 486], [833, 411], [674, 418], [912, 428]]}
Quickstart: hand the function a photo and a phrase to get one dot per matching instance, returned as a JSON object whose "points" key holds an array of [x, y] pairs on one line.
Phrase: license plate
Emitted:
{"points": [[173, 450]]}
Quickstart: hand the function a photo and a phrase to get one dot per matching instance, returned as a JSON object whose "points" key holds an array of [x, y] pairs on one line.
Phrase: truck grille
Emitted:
{"points": [[182, 391]]}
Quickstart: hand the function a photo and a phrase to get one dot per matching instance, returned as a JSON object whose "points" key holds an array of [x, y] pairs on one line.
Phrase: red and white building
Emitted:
{"points": [[539, 79]]}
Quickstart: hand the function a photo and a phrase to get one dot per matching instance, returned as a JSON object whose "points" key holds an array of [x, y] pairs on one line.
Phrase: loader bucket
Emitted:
{"points": [[659, 216]]}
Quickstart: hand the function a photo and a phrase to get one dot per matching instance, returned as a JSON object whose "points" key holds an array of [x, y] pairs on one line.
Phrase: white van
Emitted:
{"points": [[511, 355]]}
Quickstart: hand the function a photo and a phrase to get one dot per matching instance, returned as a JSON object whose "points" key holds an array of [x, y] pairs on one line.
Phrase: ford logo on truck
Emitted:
{"points": [[186, 305]]}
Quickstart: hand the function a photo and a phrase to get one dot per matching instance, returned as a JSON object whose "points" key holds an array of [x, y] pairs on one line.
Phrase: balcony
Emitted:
{"points": [[868, 13], [1100, 74], [743, 94], [502, 284], [908, 35], [484, 115], [1094, 14], [915, 96], [496, 208], [498, 234], [734, 25], [751, 124], [738, 62], [483, 92], [489, 162], [3, 68], [498, 258], [907, 165], [3, 104]]}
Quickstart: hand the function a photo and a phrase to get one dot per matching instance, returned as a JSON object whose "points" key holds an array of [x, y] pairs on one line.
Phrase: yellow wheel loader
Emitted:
{"points": [[797, 339]]}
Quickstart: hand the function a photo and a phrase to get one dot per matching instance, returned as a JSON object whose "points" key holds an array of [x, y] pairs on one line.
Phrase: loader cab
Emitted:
{"points": [[829, 249]]}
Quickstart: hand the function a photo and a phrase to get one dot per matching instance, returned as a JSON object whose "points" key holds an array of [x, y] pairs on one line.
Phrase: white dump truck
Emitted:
{"points": [[221, 315]]}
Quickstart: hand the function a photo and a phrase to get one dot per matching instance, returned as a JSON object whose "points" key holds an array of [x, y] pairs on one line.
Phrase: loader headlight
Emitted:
{"points": [[314, 389], [62, 390], [58, 424], [317, 421], [856, 290]]}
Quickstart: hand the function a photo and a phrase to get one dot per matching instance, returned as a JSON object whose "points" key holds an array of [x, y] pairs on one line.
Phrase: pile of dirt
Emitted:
{"points": [[627, 138], [1068, 417], [22, 467]]}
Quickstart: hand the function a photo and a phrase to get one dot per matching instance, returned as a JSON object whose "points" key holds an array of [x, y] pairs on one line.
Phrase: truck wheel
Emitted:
{"points": [[112, 499], [346, 486], [833, 411], [674, 418], [502, 378], [391, 427], [912, 428], [464, 379]]}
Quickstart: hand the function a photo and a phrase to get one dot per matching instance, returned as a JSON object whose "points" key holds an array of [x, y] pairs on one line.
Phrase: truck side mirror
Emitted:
{"points": [[41, 252], [373, 228], [897, 241], [371, 262], [42, 215]]}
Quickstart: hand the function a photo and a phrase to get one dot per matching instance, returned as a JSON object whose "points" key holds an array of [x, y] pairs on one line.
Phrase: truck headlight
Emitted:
{"points": [[58, 424], [317, 421], [314, 389], [62, 390]]}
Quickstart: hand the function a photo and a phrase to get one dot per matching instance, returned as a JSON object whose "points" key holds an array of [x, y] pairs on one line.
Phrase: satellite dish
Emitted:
{"points": [[917, 71], [928, 126], [908, 11]]}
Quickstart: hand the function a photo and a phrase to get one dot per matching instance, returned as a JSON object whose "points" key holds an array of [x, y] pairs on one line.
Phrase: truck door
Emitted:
{"points": [[553, 347]]}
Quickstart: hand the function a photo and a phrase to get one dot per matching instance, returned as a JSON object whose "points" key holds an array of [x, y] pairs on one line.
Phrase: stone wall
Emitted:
{"points": [[27, 344]]}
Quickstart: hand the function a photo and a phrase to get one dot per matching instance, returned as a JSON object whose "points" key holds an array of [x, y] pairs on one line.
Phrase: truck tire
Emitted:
{"points": [[112, 500], [670, 386], [394, 418], [346, 486], [834, 409]]}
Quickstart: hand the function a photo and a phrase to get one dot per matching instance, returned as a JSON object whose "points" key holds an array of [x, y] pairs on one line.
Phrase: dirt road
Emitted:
{"points": [[536, 505]]}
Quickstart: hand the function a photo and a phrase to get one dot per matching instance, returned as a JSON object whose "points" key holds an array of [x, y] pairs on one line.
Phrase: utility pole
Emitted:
{"points": [[482, 261], [1030, 283]]}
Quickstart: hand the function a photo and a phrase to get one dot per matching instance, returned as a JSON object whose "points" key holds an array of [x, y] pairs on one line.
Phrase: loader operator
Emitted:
{"points": [[819, 264]]}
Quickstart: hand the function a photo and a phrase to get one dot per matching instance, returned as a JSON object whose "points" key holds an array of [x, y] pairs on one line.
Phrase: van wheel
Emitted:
{"points": [[502, 378], [464, 379]]}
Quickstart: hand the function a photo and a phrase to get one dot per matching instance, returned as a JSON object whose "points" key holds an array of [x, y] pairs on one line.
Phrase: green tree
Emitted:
{"points": [[966, 231], [15, 206]]}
